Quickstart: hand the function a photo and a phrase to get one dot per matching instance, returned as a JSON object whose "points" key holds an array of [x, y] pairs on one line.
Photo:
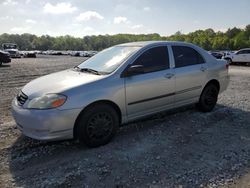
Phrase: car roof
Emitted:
{"points": [[4, 52], [10, 43], [149, 43], [244, 49]]}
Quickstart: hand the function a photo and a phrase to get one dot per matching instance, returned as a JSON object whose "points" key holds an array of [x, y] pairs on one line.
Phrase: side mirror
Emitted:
{"points": [[133, 70]]}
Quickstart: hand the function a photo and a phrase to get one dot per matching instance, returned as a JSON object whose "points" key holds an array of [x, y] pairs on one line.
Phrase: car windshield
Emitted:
{"points": [[109, 59], [9, 46]]}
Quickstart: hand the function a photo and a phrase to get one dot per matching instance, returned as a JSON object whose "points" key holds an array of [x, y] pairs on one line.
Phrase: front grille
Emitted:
{"points": [[12, 52], [21, 98]]}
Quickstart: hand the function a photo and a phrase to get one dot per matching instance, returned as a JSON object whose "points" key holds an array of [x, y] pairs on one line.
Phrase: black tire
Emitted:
{"points": [[1, 63], [97, 125], [230, 62], [208, 98]]}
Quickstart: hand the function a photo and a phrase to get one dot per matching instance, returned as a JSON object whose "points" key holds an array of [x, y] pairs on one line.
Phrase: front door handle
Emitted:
{"points": [[169, 75], [203, 69]]}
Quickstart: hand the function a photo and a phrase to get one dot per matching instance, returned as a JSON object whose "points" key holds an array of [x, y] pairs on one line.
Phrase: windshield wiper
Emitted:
{"points": [[89, 70]]}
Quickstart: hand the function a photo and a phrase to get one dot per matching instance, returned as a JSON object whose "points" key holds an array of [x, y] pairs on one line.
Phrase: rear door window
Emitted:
{"points": [[242, 52], [186, 56]]}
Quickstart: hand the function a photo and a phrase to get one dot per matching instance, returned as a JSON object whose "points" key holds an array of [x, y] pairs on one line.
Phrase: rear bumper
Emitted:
{"points": [[224, 82], [50, 124]]}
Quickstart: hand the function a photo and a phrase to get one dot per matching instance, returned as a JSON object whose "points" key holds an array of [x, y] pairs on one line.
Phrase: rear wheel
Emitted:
{"points": [[229, 61], [208, 98], [97, 125]]}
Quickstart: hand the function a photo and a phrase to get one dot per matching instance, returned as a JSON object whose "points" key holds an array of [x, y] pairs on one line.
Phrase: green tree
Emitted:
{"points": [[232, 39]]}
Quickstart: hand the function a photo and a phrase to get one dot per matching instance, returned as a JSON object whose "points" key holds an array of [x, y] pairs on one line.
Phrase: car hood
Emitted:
{"points": [[58, 82], [3, 52], [11, 50]]}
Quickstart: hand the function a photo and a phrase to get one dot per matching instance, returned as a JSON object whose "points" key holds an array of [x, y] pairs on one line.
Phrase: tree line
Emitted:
{"points": [[233, 39]]}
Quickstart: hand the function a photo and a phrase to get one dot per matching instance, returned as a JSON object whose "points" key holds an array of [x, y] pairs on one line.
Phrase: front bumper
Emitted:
{"points": [[5, 60], [52, 124], [15, 55]]}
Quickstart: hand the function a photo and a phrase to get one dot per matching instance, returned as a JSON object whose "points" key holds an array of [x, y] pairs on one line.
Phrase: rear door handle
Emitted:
{"points": [[203, 69], [169, 75]]}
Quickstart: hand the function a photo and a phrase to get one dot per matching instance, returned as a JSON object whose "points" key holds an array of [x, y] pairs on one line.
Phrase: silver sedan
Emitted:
{"points": [[118, 85]]}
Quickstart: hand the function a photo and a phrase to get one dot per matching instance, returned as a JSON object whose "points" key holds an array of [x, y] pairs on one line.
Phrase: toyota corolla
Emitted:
{"points": [[118, 85]]}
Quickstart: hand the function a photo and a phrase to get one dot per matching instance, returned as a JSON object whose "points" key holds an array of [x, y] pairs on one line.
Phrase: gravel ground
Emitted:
{"points": [[178, 148]]}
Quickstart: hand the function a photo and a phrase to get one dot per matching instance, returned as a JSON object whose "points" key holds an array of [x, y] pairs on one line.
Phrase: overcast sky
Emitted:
{"points": [[90, 17]]}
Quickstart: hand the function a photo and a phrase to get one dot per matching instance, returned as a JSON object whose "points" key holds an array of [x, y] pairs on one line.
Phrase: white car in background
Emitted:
{"points": [[241, 56]]}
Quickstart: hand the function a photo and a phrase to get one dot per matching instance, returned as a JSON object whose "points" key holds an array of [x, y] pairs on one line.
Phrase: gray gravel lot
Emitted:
{"points": [[178, 148]]}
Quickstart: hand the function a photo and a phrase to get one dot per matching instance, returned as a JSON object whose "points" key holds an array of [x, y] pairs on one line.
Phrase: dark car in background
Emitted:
{"points": [[4, 57], [217, 55], [12, 49], [29, 54]]}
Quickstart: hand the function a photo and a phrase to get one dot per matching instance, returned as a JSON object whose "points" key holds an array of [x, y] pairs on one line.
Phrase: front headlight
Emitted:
{"points": [[47, 101]]}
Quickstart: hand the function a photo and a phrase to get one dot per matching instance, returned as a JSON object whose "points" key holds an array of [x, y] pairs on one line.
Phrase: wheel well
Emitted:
{"points": [[228, 59], [107, 102], [214, 82]]}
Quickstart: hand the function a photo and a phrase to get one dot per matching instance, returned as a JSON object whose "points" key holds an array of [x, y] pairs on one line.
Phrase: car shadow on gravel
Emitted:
{"points": [[2, 66], [241, 64], [182, 147]]}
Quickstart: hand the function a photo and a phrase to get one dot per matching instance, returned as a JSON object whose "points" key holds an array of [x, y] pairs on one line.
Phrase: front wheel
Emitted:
{"points": [[97, 125], [208, 98]]}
